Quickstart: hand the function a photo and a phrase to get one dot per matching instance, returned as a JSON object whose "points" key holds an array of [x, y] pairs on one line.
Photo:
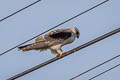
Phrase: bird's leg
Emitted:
{"points": [[55, 52], [62, 52]]}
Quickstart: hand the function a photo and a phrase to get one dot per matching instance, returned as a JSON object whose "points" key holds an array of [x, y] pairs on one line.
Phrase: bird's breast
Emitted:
{"points": [[56, 47]]}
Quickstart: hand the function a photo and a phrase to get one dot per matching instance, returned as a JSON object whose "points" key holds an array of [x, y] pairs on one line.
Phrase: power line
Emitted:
{"points": [[67, 53], [104, 72], [19, 10], [94, 67], [54, 27]]}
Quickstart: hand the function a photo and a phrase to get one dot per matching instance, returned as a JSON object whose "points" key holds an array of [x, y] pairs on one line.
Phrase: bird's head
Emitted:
{"points": [[75, 31]]}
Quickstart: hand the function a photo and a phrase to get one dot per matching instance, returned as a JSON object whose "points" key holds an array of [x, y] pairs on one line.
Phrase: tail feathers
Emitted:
{"points": [[26, 47], [35, 46]]}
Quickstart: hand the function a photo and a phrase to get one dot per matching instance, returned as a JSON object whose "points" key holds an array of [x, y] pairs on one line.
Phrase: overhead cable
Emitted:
{"points": [[94, 67], [53, 27], [19, 10], [104, 72], [66, 54]]}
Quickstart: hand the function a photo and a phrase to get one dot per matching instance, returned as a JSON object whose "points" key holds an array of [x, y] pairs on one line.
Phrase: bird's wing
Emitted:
{"points": [[60, 34], [41, 43], [40, 39], [57, 36]]}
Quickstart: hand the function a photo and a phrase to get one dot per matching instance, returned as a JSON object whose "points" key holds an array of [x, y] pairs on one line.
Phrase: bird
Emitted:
{"points": [[53, 40]]}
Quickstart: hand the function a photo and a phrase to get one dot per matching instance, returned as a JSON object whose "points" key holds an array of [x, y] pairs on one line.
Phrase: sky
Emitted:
{"points": [[43, 16]]}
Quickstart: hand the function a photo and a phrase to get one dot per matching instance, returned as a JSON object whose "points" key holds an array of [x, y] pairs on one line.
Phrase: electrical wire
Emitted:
{"points": [[54, 27], [19, 10], [95, 67], [66, 54], [104, 72]]}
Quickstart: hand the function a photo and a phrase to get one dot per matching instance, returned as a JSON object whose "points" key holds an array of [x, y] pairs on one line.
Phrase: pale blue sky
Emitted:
{"points": [[47, 14]]}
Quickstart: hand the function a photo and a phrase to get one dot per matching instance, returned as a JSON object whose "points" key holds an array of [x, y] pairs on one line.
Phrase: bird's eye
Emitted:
{"points": [[77, 33]]}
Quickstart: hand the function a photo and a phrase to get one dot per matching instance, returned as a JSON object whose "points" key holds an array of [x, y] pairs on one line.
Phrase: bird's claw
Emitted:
{"points": [[62, 53], [57, 55]]}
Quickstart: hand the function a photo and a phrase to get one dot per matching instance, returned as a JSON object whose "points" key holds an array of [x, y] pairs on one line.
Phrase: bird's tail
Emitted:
{"points": [[26, 47]]}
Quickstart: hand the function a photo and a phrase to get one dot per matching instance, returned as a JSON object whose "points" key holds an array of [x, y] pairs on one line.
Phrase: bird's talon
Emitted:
{"points": [[62, 53], [57, 55]]}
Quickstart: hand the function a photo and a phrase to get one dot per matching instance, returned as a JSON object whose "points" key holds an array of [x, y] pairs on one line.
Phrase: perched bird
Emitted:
{"points": [[53, 40]]}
